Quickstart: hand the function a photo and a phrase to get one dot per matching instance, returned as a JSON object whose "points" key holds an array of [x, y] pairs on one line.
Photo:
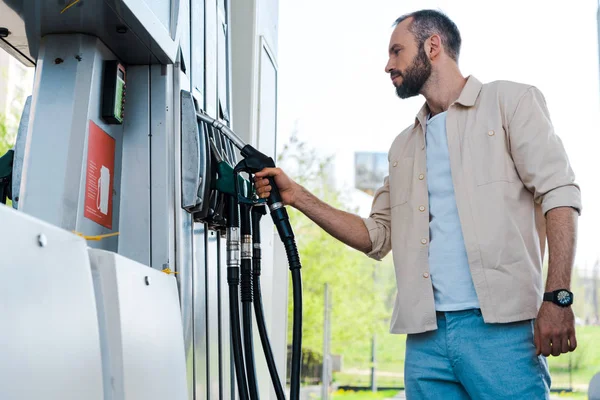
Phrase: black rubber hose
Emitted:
{"points": [[232, 212], [233, 280], [257, 213], [294, 262], [249, 351], [236, 335], [246, 290]]}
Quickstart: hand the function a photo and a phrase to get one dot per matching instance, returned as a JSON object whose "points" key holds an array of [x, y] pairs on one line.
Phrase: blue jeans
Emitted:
{"points": [[465, 358]]}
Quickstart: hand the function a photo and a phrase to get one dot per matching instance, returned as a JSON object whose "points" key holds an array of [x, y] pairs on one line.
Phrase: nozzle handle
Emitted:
{"points": [[255, 161]]}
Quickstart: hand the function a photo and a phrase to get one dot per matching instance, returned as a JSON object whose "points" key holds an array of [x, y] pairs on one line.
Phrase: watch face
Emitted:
{"points": [[563, 297]]}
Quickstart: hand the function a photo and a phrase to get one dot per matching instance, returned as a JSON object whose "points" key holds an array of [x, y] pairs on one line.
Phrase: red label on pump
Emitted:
{"points": [[99, 176]]}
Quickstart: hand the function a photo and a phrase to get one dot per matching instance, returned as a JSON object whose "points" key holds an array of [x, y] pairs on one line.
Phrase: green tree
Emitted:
{"points": [[360, 298], [7, 136]]}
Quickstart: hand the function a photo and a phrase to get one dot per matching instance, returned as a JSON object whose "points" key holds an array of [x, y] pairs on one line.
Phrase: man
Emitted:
{"points": [[474, 186]]}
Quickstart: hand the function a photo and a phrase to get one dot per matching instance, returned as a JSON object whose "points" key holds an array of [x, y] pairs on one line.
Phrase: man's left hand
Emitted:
{"points": [[554, 331]]}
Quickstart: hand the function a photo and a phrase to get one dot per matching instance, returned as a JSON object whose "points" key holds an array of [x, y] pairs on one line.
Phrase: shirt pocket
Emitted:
{"points": [[401, 171], [492, 161]]}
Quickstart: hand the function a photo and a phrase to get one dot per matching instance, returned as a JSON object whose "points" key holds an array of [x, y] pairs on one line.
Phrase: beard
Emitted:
{"points": [[415, 76]]}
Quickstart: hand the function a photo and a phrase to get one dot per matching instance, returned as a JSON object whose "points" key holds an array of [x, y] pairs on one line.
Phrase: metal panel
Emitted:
{"points": [[184, 245], [244, 71], [213, 321], [16, 43], [229, 63], [42, 195], [20, 145], [50, 341], [129, 27], [66, 97], [225, 355], [267, 14], [197, 44], [184, 37], [141, 332], [134, 237], [222, 60], [210, 54], [267, 100], [162, 10], [200, 314], [162, 192], [84, 225]]}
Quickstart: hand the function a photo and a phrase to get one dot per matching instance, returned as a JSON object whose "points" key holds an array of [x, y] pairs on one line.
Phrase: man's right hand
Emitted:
{"points": [[287, 187]]}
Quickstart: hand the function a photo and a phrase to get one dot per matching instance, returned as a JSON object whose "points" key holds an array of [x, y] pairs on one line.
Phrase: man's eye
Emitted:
{"points": [[397, 51]]}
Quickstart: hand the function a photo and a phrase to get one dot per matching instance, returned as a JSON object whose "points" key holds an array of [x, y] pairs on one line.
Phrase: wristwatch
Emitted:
{"points": [[560, 297]]}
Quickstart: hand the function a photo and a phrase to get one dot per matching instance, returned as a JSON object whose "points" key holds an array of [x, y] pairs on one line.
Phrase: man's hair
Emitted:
{"points": [[430, 22]]}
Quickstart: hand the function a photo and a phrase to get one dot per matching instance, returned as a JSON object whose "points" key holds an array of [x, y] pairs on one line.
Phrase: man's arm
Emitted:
{"points": [[555, 325], [346, 227], [561, 227], [544, 169]]}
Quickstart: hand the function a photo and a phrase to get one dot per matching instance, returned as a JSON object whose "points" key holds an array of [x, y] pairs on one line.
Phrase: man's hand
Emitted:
{"points": [[287, 187], [554, 330]]}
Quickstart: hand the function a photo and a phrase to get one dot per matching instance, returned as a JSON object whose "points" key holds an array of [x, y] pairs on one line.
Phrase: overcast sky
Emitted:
{"points": [[332, 84]]}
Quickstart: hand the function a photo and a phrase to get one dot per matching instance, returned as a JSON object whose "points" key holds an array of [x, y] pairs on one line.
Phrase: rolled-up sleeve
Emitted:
{"points": [[379, 223], [539, 155]]}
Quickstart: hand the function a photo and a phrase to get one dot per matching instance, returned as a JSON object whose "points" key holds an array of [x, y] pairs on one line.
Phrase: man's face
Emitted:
{"points": [[408, 65]]}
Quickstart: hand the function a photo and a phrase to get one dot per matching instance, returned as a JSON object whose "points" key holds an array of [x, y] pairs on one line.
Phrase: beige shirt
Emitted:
{"points": [[508, 169]]}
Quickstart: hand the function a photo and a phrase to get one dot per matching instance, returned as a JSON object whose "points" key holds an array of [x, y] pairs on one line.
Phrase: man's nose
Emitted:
{"points": [[388, 66]]}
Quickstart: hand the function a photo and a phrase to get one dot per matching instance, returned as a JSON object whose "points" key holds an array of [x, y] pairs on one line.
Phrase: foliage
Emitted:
{"points": [[7, 136]]}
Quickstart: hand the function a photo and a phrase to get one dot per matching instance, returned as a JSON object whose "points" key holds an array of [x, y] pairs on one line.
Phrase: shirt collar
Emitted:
{"points": [[467, 98]]}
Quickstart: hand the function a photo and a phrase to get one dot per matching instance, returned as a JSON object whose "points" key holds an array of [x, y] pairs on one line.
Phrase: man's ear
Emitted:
{"points": [[433, 46]]}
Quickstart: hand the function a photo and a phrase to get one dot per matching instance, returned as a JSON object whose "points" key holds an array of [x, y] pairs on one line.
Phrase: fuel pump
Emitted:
{"points": [[208, 183], [249, 244], [253, 162]]}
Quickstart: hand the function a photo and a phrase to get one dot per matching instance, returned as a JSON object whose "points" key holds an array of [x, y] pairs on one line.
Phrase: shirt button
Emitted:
{"points": [[491, 133], [423, 241], [422, 208], [421, 177], [425, 275], [395, 163]]}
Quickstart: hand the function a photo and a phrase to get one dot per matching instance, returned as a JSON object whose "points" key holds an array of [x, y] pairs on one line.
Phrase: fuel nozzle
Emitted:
{"points": [[253, 162]]}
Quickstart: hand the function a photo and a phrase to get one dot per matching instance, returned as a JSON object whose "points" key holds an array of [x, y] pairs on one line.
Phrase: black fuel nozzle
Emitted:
{"points": [[253, 162]]}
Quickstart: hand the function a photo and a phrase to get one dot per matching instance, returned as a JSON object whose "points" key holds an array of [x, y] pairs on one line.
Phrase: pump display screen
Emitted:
{"points": [[113, 96]]}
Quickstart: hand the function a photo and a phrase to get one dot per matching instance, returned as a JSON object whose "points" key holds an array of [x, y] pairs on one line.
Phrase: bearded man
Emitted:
{"points": [[476, 187]]}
